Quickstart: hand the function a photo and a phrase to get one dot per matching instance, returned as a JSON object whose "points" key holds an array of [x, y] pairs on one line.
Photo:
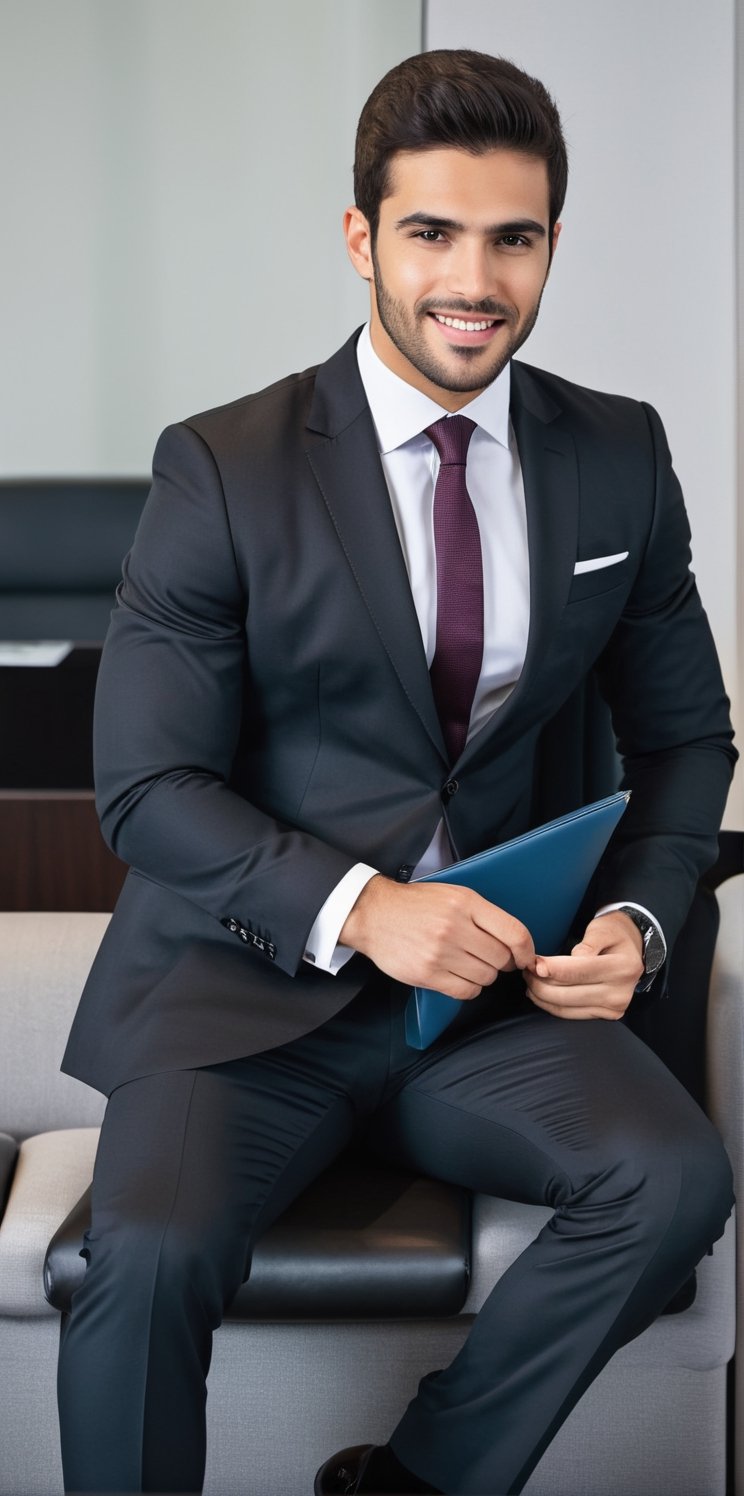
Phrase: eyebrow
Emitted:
{"points": [[513, 226]]}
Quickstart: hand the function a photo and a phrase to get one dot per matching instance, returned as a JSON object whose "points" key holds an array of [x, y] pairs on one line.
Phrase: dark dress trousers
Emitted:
{"points": [[264, 720]]}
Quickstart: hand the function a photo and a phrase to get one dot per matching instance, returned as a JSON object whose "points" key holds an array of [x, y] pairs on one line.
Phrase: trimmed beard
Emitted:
{"points": [[396, 321]]}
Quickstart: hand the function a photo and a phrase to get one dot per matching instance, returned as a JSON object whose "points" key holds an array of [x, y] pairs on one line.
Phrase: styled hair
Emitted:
{"points": [[459, 98]]}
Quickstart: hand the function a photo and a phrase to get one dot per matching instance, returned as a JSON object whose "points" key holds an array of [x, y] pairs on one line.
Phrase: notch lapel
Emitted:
{"points": [[547, 456], [341, 448]]}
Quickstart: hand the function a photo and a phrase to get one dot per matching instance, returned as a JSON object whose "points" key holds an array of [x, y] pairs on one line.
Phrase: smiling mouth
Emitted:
{"points": [[466, 324], [466, 332]]}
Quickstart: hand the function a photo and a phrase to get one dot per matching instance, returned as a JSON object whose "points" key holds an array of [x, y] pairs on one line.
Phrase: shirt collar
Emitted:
{"points": [[400, 411]]}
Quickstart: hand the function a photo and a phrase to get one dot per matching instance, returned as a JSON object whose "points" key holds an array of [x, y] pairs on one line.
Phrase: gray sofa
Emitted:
{"points": [[655, 1422]]}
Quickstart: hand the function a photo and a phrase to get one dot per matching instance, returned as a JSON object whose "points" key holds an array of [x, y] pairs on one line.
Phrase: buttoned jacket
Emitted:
{"points": [[264, 715]]}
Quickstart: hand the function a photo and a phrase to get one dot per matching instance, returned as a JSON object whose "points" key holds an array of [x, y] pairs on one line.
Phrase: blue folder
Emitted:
{"points": [[540, 878]]}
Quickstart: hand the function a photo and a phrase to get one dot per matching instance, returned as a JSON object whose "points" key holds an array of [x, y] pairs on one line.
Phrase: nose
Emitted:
{"points": [[470, 271]]}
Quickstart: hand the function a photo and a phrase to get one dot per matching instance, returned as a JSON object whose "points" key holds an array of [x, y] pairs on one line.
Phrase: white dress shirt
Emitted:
{"points": [[410, 463]]}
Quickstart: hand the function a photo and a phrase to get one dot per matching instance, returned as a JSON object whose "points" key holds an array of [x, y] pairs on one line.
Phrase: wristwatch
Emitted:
{"points": [[654, 951]]}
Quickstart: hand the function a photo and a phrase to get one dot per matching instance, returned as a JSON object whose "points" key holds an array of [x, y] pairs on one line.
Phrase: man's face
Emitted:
{"points": [[461, 239]]}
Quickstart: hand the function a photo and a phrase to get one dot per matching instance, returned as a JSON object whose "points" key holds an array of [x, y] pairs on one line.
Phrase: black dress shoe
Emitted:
{"points": [[340, 1475], [371, 1469]]}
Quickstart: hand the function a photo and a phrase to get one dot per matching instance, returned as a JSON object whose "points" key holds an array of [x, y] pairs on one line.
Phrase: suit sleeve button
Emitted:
{"points": [[450, 788]]}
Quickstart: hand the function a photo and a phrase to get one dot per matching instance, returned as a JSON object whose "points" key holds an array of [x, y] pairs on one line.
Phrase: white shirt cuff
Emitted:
{"points": [[630, 904], [322, 948]]}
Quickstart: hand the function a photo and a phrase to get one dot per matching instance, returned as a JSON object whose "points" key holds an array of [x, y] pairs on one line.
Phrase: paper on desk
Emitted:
{"points": [[34, 651]]}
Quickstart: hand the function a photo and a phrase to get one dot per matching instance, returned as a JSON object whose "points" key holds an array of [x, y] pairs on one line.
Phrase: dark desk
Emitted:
{"points": [[52, 854], [46, 722]]}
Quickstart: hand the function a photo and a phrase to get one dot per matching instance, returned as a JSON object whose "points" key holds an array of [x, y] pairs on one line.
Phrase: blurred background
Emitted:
{"points": [[174, 174]]}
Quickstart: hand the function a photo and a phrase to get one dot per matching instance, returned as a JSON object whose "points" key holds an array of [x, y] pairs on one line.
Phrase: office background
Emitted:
{"points": [[174, 174]]}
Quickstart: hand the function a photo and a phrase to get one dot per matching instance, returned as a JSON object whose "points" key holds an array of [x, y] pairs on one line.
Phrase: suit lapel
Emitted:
{"points": [[547, 458], [342, 450]]}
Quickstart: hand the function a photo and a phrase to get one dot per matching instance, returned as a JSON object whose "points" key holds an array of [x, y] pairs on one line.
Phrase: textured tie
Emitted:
{"points": [[458, 654]]}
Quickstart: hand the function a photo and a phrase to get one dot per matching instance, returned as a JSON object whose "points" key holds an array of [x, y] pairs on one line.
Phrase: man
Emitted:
{"points": [[348, 614]]}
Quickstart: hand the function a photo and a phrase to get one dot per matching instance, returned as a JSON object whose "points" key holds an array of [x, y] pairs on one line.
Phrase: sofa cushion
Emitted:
{"points": [[51, 1171], [45, 961]]}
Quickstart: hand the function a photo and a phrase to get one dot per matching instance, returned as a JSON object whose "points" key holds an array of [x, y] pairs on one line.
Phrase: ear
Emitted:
{"points": [[359, 242], [554, 243]]}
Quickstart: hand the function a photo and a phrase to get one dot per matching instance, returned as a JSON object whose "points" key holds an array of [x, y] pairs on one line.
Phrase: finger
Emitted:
{"points": [[588, 948], [598, 1002], [566, 997], [558, 1010], [504, 928], [582, 970], [453, 985], [470, 969], [487, 948]]}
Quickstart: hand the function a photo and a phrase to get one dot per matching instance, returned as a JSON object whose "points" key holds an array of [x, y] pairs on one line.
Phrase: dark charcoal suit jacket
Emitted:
{"points": [[264, 716]]}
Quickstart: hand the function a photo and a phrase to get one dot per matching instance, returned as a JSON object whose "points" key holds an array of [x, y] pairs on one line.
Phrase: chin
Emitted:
{"points": [[467, 375]]}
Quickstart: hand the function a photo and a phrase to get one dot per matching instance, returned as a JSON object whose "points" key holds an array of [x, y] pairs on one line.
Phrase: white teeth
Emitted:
{"points": [[462, 326]]}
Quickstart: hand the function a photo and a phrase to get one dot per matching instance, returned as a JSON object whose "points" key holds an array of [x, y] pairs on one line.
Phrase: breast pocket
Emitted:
{"points": [[596, 576]]}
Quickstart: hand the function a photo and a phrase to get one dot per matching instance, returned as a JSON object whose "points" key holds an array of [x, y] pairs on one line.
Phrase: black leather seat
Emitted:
{"points": [[363, 1242]]}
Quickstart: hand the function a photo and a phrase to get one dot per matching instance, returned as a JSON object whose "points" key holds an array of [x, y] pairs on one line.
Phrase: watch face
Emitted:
{"points": [[653, 945], [653, 950]]}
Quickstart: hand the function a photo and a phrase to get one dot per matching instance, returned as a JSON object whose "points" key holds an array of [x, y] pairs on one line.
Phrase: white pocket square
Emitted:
{"points": [[599, 561]]}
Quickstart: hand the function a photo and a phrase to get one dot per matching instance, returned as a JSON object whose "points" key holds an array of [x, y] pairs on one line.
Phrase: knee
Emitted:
{"points": [[707, 1186], [680, 1184], [685, 1191]]}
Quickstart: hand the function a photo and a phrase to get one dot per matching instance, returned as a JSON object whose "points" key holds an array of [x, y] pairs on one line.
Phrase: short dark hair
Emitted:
{"points": [[456, 98]]}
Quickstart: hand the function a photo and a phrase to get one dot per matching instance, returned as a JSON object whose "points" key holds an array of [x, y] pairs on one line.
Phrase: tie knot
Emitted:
{"points": [[451, 436]]}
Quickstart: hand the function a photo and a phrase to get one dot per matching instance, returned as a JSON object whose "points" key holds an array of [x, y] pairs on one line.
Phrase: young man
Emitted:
{"points": [[353, 603]]}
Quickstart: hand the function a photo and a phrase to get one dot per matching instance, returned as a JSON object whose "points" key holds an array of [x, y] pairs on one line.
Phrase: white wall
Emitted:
{"points": [[642, 298], [173, 178]]}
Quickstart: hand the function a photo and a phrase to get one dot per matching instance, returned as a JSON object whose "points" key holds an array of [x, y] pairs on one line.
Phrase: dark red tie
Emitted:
{"points": [[458, 655]]}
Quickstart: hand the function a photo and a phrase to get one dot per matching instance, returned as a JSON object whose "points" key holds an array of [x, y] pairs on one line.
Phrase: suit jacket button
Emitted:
{"points": [[404, 872], [232, 925], [450, 788]]}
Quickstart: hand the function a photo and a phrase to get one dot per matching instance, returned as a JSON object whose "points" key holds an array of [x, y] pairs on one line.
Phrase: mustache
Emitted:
{"points": [[486, 308]]}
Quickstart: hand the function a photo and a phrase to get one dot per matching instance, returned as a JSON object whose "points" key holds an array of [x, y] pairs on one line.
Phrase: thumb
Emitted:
{"points": [[590, 945]]}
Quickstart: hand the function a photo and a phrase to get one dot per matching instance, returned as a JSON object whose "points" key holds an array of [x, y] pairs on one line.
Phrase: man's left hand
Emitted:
{"points": [[599, 977]]}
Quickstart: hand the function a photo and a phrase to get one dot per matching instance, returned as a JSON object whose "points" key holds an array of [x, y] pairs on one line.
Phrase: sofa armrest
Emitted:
{"points": [[52, 1170], [725, 1088], [8, 1157], [725, 1038]]}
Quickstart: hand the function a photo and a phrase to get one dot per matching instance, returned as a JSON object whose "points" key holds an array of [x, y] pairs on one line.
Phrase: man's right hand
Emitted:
{"points": [[436, 935]]}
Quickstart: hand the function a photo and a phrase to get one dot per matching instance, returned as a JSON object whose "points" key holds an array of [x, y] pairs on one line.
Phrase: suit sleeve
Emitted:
{"points": [[661, 677], [171, 703]]}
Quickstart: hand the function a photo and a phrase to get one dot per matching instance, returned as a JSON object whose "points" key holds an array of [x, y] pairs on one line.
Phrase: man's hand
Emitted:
{"points": [[598, 979], [436, 935]]}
